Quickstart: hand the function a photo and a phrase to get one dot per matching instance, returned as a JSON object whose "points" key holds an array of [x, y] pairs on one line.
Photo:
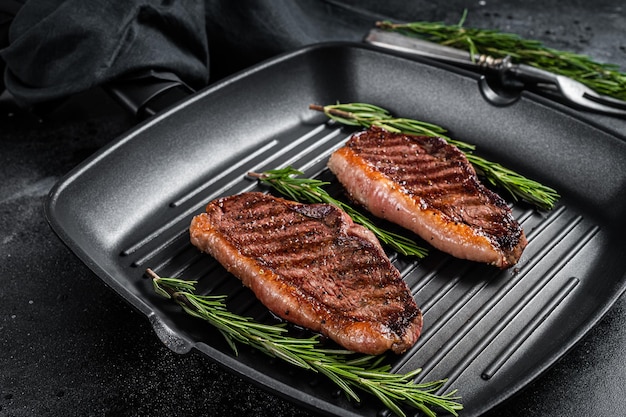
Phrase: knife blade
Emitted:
{"points": [[415, 46]]}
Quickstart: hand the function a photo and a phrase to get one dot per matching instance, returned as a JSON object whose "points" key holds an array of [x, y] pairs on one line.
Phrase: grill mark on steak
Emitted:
{"points": [[311, 265], [428, 186]]}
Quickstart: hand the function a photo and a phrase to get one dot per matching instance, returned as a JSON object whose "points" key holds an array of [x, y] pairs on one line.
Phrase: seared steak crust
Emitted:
{"points": [[311, 265], [428, 186]]}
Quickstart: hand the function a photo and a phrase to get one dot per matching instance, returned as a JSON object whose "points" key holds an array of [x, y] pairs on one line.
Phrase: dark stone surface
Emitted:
{"points": [[70, 346]]}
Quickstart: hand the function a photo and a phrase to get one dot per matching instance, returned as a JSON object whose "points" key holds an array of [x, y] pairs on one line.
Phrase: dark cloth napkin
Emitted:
{"points": [[56, 48]]}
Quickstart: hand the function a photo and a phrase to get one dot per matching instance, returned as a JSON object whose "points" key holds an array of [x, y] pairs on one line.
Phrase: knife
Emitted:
{"points": [[415, 46]]}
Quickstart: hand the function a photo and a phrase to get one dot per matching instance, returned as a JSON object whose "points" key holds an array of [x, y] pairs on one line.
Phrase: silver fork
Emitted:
{"points": [[574, 92]]}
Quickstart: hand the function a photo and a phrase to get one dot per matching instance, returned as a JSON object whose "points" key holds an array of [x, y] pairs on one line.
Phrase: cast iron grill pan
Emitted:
{"points": [[490, 332]]}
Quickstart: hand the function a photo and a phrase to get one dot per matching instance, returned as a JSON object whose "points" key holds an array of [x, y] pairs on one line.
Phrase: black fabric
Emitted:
{"points": [[62, 47], [8, 10], [58, 48]]}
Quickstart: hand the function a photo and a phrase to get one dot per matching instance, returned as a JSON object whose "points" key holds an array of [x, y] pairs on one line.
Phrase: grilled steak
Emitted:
{"points": [[311, 265], [428, 186]]}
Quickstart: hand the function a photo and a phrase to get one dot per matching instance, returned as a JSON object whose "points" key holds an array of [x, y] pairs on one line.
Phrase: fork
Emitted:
{"points": [[574, 92]]}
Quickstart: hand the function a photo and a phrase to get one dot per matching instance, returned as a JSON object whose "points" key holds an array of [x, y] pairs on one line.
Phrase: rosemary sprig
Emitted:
{"points": [[310, 190], [518, 186], [603, 77], [365, 372]]}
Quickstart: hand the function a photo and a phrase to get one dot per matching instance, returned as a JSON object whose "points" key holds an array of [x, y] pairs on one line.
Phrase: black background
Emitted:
{"points": [[70, 346]]}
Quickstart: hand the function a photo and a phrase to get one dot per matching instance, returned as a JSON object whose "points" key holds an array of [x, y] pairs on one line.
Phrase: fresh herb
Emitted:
{"points": [[603, 78], [310, 190], [365, 372], [367, 115]]}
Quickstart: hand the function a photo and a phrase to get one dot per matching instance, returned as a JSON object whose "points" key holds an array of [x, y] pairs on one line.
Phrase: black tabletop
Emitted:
{"points": [[71, 346]]}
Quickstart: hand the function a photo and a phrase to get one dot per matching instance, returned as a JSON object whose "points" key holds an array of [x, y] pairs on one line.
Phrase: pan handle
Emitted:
{"points": [[147, 93]]}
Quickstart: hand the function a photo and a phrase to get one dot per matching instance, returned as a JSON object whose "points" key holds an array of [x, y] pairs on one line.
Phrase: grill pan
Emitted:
{"points": [[489, 332]]}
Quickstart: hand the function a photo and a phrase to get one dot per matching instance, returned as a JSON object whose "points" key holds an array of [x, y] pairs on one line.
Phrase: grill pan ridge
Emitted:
{"points": [[490, 332]]}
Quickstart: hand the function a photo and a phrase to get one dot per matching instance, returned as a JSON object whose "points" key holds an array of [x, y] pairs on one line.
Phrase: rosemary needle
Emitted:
{"points": [[365, 372], [602, 77], [310, 190], [367, 115]]}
